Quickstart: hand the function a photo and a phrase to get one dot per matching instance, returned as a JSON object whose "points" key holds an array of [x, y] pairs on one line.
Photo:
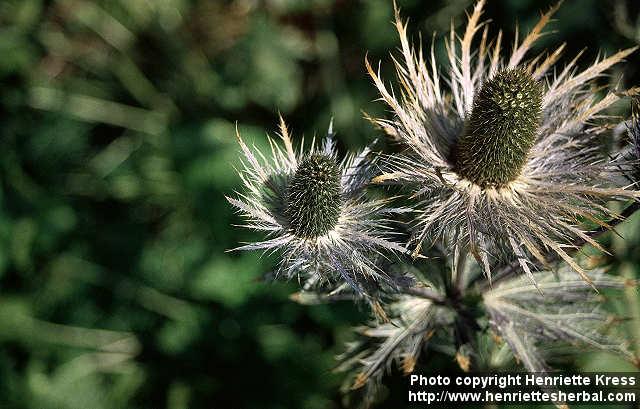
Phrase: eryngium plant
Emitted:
{"points": [[506, 175]]}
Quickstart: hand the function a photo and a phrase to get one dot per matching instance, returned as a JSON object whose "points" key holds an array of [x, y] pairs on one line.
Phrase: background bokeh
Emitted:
{"points": [[116, 150]]}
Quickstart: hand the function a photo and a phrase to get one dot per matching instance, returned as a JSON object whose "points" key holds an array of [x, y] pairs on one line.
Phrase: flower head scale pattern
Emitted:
{"points": [[521, 208], [314, 213]]}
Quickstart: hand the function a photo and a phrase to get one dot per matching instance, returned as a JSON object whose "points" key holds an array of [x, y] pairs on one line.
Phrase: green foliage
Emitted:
{"points": [[501, 129]]}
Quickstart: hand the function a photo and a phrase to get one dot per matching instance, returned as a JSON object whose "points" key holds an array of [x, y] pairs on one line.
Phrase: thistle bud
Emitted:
{"points": [[501, 129], [313, 200]]}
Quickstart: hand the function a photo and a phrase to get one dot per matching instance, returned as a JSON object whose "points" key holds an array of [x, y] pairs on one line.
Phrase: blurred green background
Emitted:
{"points": [[116, 150]]}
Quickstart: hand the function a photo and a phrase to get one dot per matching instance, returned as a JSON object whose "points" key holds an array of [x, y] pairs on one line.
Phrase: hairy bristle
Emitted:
{"points": [[500, 130], [313, 200]]}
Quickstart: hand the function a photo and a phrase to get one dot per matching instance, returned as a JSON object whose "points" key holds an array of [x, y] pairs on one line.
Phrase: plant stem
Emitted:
{"points": [[426, 293]]}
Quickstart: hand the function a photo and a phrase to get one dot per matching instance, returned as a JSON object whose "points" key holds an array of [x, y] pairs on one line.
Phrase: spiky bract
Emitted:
{"points": [[313, 200], [400, 341], [634, 129], [501, 129], [634, 133], [315, 214], [564, 180], [526, 326], [569, 312]]}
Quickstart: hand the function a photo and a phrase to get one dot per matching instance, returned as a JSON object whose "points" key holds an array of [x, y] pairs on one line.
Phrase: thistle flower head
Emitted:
{"points": [[314, 212], [313, 201], [503, 160], [501, 129]]}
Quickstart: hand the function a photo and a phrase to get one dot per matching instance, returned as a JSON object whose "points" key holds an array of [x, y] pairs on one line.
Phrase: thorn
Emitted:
{"points": [[408, 364], [464, 362], [360, 381]]}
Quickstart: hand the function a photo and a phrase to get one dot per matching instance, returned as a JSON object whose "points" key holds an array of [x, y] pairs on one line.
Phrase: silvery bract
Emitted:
{"points": [[527, 326], [569, 312]]}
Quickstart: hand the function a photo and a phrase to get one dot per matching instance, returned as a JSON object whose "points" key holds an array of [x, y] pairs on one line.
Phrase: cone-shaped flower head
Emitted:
{"points": [[501, 129], [313, 200], [314, 211], [504, 160]]}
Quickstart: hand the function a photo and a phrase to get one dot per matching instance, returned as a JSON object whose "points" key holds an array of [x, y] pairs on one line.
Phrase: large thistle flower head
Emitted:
{"points": [[501, 151], [313, 210]]}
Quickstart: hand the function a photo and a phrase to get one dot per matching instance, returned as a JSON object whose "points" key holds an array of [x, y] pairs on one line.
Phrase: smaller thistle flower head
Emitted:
{"points": [[315, 213], [313, 200], [500, 130], [503, 161]]}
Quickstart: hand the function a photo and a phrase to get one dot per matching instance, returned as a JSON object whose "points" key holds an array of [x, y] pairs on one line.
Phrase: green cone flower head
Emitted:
{"points": [[313, 198], [501, 130]]}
